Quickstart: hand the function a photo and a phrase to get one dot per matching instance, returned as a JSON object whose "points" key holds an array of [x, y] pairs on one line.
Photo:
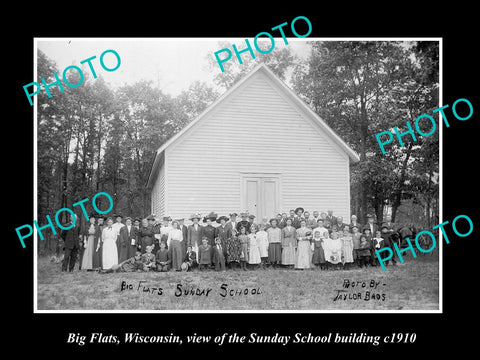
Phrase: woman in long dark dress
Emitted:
{"points": [[174, 242], [97, 243], [146, 235]]}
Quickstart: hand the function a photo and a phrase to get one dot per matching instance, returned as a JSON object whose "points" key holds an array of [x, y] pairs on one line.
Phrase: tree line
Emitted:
{"points": [[94, 138]]}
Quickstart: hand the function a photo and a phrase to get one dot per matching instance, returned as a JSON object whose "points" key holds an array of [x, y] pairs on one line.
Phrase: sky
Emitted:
{"points": [[171, 63]]}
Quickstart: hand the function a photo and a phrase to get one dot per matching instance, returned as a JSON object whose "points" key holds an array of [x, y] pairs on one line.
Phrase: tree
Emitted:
{"points": [[278, 60], [362, 88]]}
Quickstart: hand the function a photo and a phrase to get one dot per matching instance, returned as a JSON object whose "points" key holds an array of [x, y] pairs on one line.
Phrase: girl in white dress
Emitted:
{"points": [[333, 250], [262, 241], [254, 250], [109, 240]]}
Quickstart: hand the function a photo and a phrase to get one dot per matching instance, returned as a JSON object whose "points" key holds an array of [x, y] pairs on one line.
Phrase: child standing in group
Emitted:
{"points": [[356, 244], [364, 252], [289, 244], [243, 237], [377, 243], [347, 248], [204, 254], [218, 256], [318, 254], [368, 236], [333, 251], [262, 240], [253, 248], [190, 260]]}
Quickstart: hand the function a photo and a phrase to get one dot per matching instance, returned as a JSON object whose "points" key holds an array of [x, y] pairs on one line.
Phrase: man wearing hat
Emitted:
{"points": [[245, 223], [195, 233], [370, 225], [184, 231], [71, 238], [209, 230], [223, 232], [155, 229], [232, 223], [127, 241]]}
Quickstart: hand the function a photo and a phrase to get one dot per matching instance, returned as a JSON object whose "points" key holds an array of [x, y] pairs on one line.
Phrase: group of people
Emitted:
{"points": [[295, 240]]}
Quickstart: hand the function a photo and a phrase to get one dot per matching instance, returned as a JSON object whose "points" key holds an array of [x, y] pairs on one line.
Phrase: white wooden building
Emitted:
{"points": [[259, 148]]}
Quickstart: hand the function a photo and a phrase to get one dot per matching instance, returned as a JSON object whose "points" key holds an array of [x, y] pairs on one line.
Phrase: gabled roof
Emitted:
{"points": [[294, 97]]}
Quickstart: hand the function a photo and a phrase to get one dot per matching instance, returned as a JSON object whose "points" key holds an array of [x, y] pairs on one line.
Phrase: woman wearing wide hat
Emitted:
{"points": [[245, 223], [209, 230], [223, 232], [195, 232]]}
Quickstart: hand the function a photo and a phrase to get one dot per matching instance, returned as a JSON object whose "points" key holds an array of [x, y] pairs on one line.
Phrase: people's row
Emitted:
{"points": [[106, 246]]}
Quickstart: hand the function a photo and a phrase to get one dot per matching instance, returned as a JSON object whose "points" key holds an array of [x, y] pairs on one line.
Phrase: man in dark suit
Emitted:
{"points": [[71, 238], [183, 228], [195, 232], [127, 240], [371, 225], [223, 232], [331, 218], [340, 224]]}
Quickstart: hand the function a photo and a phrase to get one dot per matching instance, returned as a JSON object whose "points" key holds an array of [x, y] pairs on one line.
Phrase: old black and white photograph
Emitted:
{"points": [[219, 175]]}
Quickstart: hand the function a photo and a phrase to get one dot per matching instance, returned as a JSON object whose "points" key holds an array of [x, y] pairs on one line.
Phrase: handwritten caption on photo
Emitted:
{"points": [[182, 290], [367, 290]]}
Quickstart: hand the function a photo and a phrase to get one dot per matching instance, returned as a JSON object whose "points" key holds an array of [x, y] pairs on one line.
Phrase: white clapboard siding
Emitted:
{"points": [[257, 128], [158, 194]]}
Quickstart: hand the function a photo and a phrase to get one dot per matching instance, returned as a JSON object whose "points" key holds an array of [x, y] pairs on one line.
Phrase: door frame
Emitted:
{"points": [[244, 176]]}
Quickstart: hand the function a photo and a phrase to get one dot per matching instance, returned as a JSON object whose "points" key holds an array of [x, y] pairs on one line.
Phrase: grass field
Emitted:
{"points": [[413, 285]]}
